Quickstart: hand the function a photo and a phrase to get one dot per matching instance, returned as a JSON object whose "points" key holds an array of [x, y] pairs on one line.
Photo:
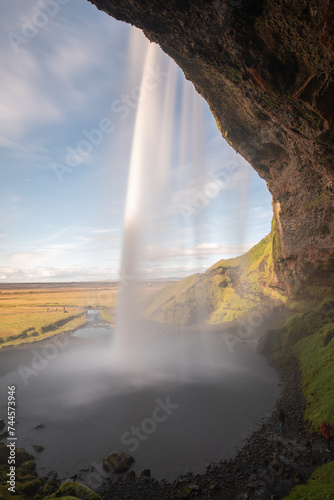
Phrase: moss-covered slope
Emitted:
{"points": [[228, 290], [319, 487]]}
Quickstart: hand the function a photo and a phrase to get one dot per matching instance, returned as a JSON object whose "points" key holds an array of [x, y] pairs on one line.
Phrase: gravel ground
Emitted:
{"points": [[267, 467]]}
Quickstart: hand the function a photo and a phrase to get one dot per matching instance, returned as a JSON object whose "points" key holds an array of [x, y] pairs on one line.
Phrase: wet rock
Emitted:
{"points": [[191, 488], [130, 474], [213, 486], [277, 465], [298, 478], [38, 448], [145, 473], [118, 461], [2, 424]]}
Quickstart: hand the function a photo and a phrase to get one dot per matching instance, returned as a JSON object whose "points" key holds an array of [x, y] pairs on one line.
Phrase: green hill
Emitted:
{"points": [[228, 290]]}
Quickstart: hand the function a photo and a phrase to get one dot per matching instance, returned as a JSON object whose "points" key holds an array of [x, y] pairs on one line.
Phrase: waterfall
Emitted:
{"points": [[167, 157], [147, 190]]}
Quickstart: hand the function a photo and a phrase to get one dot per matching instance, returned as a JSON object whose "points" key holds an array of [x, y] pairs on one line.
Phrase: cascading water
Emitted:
{"points": [[167, 171], [153, 161], [149, 170]]}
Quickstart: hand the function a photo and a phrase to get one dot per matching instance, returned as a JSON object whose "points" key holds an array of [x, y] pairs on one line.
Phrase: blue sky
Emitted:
{"points": [[65, 67]]}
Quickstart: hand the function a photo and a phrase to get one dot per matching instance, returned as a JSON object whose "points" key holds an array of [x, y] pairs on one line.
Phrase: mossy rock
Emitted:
{"points": [[22, 456], [50, 487], [28, 467], [31, 487], [64, 498], [8, 495], [25, 478], [76, 490], [3, 454]]}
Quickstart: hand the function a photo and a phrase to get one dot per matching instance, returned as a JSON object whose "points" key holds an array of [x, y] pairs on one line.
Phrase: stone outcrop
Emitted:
{"points": [[265, 67]]}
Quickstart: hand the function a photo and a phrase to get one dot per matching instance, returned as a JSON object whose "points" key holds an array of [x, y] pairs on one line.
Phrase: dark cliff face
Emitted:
{"points": [[266, 69]]}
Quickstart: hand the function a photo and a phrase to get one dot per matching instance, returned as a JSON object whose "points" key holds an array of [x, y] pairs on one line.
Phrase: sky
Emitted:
{"points": [[68, 103]]}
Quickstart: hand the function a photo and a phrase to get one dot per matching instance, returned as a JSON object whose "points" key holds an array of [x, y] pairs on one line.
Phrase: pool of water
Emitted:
{"points": [[192, 401]]}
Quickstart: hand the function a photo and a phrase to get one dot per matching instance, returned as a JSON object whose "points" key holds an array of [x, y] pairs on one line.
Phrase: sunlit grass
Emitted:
{"points": [[316, 357], [27, 315], [229, 290]]}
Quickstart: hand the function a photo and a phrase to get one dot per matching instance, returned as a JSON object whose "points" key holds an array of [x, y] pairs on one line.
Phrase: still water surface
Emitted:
{"points": [[176, 416]]}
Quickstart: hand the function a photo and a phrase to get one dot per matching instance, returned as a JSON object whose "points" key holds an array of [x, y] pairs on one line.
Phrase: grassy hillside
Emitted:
{"points": [[228, 290], [308, 334], [320, 486]]}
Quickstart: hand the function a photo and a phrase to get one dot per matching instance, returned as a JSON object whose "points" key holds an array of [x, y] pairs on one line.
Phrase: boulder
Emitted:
{"points": [[118, 461], [145, 473], [29, 488], [38, 448]]}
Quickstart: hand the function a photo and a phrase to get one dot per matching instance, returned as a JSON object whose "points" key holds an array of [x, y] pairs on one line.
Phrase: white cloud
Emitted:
{"points": [[25, 99], [201, 250], [7, 143], [49, 274]]}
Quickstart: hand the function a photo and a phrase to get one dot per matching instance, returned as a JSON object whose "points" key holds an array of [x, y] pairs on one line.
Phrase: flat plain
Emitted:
{"points": [[35, 311]]}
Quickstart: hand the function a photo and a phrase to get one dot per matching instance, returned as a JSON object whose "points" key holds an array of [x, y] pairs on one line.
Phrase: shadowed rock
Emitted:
{"points": [[265, 68]]}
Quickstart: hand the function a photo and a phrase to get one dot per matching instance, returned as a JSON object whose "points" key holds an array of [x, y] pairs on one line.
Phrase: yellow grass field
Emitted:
{"points": [[36, 312], [30, 314]]}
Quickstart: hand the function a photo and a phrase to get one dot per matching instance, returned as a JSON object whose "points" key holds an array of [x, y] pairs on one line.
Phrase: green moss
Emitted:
{"points": [[50, 487], [300, 326], [318, 293], [29, 488], [234, 75], [319, 487], [8, 495], [316, 122], [316, 357], [76, 490], [298, 305], [317, 201]]}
